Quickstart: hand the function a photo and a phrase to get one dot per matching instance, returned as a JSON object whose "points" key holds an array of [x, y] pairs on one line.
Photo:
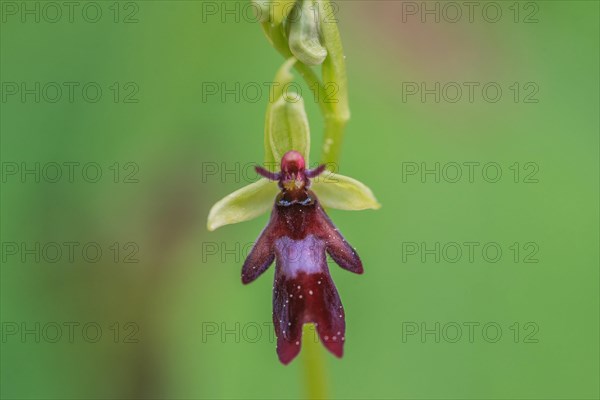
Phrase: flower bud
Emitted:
{"points": [[303, 37]]}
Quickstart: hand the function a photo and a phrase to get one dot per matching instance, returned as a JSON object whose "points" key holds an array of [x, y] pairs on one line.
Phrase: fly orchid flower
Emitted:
{"points": [[299, 234], [297, 237]]}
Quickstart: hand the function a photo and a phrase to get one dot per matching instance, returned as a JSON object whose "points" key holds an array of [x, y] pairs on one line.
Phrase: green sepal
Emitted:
{"points": [[244, 204], [344, 193]]}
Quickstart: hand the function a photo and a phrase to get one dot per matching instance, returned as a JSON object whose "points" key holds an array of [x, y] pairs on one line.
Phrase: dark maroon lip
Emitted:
{"points": [[303, 299], [298, 237]]}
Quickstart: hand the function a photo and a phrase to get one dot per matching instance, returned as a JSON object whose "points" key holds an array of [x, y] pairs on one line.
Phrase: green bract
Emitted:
{"points": [[286, 128]]}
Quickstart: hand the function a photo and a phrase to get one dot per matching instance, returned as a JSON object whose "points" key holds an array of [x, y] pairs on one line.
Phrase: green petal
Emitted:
{"points": [[282, 78], [286, 123], [242, 205], [344, 193]]}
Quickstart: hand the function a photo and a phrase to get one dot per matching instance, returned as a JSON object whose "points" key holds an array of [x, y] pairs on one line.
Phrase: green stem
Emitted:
{"points": [[314, 364], [334, 73], [336, 114]]}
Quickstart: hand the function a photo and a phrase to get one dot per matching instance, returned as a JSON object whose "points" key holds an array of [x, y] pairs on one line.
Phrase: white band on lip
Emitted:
{"points": [[305, 255]]}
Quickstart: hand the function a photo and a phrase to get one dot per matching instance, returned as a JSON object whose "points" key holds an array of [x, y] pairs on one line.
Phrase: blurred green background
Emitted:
{"points": [[186, 327]]}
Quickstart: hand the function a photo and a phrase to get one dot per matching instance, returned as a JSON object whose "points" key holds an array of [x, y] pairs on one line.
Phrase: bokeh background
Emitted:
{"points": [[185, 325]]}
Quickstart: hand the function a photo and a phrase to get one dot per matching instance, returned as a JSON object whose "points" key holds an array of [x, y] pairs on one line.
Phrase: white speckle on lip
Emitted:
{"points": [[310, 292], [297, 343]]}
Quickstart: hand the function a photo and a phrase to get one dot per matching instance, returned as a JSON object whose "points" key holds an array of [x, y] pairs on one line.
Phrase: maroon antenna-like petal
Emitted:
{"points": [[337, 247], [313, 173], [272, 176], [261, 256]]}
